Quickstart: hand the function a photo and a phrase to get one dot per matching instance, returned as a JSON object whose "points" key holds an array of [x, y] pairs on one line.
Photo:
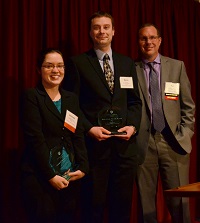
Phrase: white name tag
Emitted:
{"points": [[126, 82], [172, 91], [172, 88], [70, 121]]}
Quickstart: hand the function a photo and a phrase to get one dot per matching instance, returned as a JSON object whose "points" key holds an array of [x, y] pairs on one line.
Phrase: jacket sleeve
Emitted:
{"points": [[37, 151], [71, 83], [80, 151], [134, 102]]}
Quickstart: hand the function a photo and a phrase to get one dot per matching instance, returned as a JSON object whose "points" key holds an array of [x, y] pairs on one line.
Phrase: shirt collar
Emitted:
{"points": [[100, 54], [157, 60]]}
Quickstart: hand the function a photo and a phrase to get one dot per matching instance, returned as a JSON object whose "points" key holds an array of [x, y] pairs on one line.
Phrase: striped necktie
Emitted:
{"points": [[157, 111]]}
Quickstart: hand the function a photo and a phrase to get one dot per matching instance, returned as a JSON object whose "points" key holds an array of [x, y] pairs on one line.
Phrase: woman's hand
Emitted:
{"points": [[59, 182], [76, 175]]}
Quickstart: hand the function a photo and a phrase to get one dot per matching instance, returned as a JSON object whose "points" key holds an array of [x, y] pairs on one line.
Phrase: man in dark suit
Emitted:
{"points": [[112, 155], [164, 150]]}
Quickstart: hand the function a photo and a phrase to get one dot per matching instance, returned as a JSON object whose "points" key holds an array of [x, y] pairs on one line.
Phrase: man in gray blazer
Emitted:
{"points": [[164, 151]]}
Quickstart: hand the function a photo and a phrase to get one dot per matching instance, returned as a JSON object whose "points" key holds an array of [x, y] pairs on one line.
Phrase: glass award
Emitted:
{"points": [[60, 161], [111, 120]]}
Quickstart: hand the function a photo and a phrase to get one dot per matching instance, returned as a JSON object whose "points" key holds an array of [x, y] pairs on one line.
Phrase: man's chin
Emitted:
{"points": [[102, 42], [148, 53], [100, 45]]}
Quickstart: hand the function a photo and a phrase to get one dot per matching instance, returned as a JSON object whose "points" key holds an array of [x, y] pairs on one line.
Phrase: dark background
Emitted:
{"points": [[26, 26]]}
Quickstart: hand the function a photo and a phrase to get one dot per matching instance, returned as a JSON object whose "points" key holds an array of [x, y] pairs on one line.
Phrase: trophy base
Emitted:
{"points": [[66, 176], [117, 133]]}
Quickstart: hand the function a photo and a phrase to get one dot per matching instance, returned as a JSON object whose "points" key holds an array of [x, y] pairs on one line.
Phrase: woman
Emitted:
{"points": [[55, 155]]}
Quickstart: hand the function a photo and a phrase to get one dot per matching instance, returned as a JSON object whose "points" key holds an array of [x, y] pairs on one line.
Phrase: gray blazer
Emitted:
{"points": [[179, 114]]}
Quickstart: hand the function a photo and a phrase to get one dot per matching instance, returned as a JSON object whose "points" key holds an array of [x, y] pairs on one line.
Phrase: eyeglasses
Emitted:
{"points": [[51, 67], [151, 38]]}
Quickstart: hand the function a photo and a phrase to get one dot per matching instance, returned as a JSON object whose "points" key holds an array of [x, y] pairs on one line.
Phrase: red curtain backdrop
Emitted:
{"points": [[28, 25]]}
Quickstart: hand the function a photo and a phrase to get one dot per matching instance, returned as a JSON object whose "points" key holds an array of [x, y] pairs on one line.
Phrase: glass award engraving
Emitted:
{"points": [[60, 161], [111, 120]]}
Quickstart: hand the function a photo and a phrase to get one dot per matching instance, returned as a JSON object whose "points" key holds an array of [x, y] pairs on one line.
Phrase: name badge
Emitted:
{"points": [[126, 82], [172, 90], [70, 121]]}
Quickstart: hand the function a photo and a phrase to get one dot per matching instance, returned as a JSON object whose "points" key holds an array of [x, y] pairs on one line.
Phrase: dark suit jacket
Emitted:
{"points": [[43, 127], [86, 78], [179, 114]]}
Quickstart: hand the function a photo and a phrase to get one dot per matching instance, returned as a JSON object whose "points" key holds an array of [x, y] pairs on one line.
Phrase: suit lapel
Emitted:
{"points": [[164, 74], [142, 82], [117, 71], [51, 106], [66, 104], [92, 57], [49, 103]]}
